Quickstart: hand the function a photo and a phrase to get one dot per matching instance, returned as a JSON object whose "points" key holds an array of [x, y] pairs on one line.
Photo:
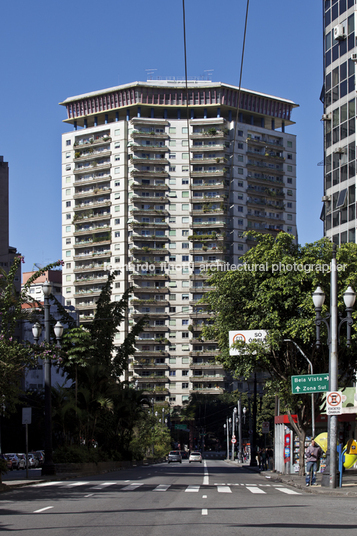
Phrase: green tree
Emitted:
{"points": [[15, 355], [271, 292]]}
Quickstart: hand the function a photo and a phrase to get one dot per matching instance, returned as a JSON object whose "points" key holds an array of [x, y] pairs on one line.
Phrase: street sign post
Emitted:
{"points": [[246, 336], [309, 383]]}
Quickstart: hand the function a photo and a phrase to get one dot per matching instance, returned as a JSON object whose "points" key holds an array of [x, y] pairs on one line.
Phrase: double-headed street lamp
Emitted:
{"points": [[48, 466], [333, 328]]}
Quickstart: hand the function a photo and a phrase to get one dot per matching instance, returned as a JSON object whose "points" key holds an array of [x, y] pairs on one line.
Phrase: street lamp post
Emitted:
{"points": [[240, 459], [233, 431], [48, 466], [349, 297]]}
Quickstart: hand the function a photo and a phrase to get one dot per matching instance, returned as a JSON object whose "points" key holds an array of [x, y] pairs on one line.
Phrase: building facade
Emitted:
{"points": [[160, 190], [339, 113], [7, 252]]}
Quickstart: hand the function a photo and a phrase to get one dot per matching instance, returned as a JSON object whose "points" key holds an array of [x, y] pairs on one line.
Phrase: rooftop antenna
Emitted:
{"points": [[209, 73], [150, 73]]}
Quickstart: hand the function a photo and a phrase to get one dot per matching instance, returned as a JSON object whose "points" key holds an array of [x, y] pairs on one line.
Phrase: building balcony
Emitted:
{"points": [[148, 225], [136, 236], [209, 148], [92, 254], [140, 355], [136, 160], [148, 301], [206, 366], [83, 293], [263, 142], [204, 353], [149, 251], [90, 267], [92, 141], [157, 379], [138, 314], [149, 276], [261, 178], [149, 121], [258, 165], [85, 180], [92, 229], [138, 134], [83, 318], [81, 306], [261, 201], [142, 187], [210, 134], [217, 185], [89, 279], [86, 243], [149, 366], [84, 156], [162, 200], [92, 192], [210, 224], [152, 148], [217, 378], [90, 216], [149, 173], [95, 167], [151, 290], [217, 173], [92, 204], [145, 212], [209, 390]]}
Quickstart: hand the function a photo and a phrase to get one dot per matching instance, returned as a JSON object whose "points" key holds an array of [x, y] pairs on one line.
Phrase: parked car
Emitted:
{"points": [[40, 455], [174, 456], [195, 457], [17, 461], [7, 461], [184, 454], [33, 461]]}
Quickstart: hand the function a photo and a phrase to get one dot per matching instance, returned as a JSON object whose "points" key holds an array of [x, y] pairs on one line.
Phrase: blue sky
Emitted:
{"points": [[52, 50]]}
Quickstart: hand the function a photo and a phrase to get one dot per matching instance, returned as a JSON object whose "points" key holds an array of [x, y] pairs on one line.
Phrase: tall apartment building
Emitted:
{"points": [[157, 195], [7, 252], [339, 113]]}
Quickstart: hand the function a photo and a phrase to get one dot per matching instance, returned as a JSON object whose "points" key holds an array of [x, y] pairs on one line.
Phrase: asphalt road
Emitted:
{"points": [[208, 499]]}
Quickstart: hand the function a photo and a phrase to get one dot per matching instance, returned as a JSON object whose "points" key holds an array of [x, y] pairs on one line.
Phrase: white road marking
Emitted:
{"points": [[104, 485], [43, 484], [43, 509], [162, 487], [255, 490], [192, 488], [224, 489], [74, 484], [204, 511], [288, 491], [89, 495], [205, 477], [204, 496], [132, 486]]}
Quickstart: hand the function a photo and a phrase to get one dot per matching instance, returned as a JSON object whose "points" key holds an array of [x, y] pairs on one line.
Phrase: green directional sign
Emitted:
{"points": [[309, 383]]}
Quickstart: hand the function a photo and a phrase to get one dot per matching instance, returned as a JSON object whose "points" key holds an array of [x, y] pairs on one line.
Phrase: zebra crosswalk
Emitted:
{"points": [[122, 486]]}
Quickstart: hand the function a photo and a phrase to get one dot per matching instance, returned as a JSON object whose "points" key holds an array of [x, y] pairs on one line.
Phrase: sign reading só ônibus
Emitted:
{"points": [[247, 336]]}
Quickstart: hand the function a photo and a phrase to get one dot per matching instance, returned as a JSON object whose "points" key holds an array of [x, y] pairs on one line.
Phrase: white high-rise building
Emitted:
{"points": [[339, 118], [157, 195]]}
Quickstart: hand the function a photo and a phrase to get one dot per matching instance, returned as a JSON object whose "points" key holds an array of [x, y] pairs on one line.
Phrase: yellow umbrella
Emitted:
{"points": [[321, 440]]}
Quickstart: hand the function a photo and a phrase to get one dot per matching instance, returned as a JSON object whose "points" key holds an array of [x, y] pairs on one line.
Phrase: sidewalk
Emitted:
{"points": [[349, 481]]}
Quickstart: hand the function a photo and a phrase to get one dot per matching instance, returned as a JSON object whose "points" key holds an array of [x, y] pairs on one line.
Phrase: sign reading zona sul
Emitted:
{"points": [[309, 383]]}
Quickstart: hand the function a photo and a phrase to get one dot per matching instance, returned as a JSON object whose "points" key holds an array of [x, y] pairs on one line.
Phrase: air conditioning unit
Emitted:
{"points": [[326, 117], [325, 198], [339, 32], [354, 56]]}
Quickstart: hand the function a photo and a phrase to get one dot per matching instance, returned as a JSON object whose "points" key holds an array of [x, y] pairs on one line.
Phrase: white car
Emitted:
{"points": [[195, 457]]}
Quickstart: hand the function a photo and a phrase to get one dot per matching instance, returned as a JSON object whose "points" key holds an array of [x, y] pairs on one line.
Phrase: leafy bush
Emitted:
{"points": [[78, 454]]}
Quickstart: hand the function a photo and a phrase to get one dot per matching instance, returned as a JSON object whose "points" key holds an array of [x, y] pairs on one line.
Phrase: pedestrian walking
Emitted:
{"points": [[313, 455]]}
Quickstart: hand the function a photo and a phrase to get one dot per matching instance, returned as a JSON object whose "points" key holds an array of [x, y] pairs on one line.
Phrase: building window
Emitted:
{"points": [[185, 385], [68, 203], [184, 130], [172, 373], [117, 132], [289, 181], [68, 167], [185, 206], [183, 194], [68, 142], [68, 253], [185, 334], [117, 221], [117, 183], [68, 240], [117, 195], [290, 168], [117, 234], [68, 265], [68, 228], [184, 169], [117, 208], [172, 130], [172, 156]]}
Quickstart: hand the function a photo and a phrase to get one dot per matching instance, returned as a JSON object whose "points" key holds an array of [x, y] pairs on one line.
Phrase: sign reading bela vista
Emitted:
{"points": [[309, 383]]}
